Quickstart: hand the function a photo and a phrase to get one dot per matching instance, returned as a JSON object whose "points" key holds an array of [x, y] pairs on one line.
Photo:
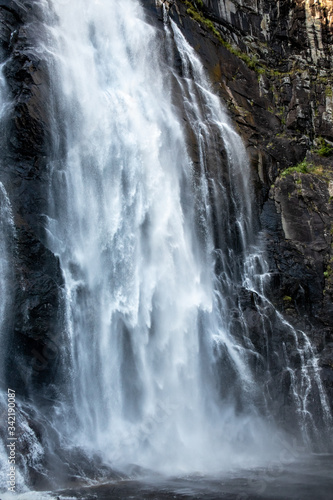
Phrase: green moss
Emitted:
{"points": [[324, 148], [281, 134], [251, 61], [328, 92], [323, 80], [197, 16], [320, 171], [286, 298], [303, 168], [196, 11], [194, 14], [328, 274]]}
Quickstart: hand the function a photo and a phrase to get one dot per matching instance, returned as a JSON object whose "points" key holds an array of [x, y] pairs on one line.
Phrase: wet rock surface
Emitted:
{"points": [[26, 141], [280, 107], [275, 76]]}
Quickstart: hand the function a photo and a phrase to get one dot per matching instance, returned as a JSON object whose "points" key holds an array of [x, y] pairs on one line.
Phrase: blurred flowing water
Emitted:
{"points": [[6, 276], [131, 219], [151, 214], [154, 249]]}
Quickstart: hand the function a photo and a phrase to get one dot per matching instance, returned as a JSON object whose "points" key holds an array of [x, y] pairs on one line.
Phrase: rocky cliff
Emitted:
{"points": [[271, 63], [25, 144]]}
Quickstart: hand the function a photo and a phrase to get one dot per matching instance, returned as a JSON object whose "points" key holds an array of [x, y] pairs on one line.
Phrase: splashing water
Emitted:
{"points": [[132, 222], [6, 237], [150, 214]]}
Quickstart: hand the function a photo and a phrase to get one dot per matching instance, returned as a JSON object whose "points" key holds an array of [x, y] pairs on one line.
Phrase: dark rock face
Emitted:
{"points": [[275, 77], [301, 253], [26, 140], [280, 105], [278, 112], [298, 28]]}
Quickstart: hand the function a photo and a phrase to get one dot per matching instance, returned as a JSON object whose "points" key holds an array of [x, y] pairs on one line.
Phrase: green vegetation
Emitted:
{"points": [[328, 275], [303, 168], [195, 9], [328, 91], [286, 298], [329, 270], [324, 149], [196, 14], [323, 80]]}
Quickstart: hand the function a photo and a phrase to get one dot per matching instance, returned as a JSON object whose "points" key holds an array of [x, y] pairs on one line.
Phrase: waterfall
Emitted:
{"points": [[6, 231], [150, 211], [6, 236], [157, 378], [239, 251]]}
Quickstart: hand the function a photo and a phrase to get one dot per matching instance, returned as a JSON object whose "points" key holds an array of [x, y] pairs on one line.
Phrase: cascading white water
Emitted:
{"points": [[242, 258], [6, 239], [6, 234], [150, 213], [132, 227], [157, 376], [6, 228]]}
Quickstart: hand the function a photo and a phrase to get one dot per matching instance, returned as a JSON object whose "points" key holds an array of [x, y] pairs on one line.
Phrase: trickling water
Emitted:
{"points": [[306, 387], [240, 258]]}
